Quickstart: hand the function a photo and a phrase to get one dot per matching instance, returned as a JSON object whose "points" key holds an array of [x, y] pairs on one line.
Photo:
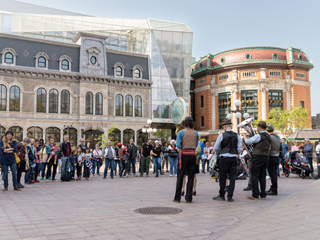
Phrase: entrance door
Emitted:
{"points": [[91, 136]]}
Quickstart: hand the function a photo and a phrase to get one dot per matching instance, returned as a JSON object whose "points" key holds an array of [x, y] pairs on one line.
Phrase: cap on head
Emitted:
{"points": [[262, 124], [270, 127], [8, 132], [156, 141], [119, 144]]}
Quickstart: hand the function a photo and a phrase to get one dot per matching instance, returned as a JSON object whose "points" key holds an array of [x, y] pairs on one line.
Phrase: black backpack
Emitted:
{"points": [[64, 177]]}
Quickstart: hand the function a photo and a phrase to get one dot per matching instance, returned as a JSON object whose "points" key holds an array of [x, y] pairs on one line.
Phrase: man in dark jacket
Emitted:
{"points": [[132, 149], [66, 151]]}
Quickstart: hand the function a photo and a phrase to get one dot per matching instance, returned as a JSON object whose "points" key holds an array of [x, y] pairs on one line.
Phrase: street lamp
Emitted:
{"points": [[238, 112], [67, 125], [148, 128]]}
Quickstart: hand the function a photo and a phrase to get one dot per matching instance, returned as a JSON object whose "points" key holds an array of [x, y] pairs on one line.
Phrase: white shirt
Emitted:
{"points": [[318, 149]]}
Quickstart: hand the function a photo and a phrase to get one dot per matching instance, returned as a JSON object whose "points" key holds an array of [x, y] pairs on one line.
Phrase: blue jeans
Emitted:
{"points": [[157, 164], [310, 163], [132, 162], [173, 165], [5, 169], [64, 165], [29, 173], [117, 162], [96, 164], [43, 169], [107, 162]]}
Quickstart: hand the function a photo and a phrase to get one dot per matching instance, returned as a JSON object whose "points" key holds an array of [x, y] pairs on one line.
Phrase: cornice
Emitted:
{"points": [[86, 34], [128, 53], [77, 77], [199, 89]]}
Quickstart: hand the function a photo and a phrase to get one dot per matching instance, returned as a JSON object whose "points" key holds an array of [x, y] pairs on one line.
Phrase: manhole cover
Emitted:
{"points": [[158, 210]]}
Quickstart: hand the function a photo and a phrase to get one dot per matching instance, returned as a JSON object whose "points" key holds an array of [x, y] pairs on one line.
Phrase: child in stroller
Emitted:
{"points": [[298, 163]]}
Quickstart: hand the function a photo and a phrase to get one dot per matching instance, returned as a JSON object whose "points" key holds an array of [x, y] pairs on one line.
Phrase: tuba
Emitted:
{"points": [[247, 125]]}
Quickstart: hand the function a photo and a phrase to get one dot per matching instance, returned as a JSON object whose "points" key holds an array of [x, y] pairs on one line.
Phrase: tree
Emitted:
{"points": [[163, 134], [285, 121], [103, 139]]}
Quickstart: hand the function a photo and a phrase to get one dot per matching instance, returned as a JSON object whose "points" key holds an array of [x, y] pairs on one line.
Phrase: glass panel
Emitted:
{"points": [[3, 131], [53, 101], [14, 103], [41, 62], [89, 103], [138, 106], [35, 132], [99, 103], [72, 132], [53, 132], [17, 133], [129, 106], [3, 98], [8, 58], [65, 64], [41, 100], [141, 138], [127, 135], [119, 71], [65, 101], [275, 99], [119, 105]]}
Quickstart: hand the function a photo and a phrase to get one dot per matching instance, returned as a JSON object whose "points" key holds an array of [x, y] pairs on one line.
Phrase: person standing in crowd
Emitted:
{"points": [[229, 144], [109, 155], [295, 147], [43, 160], [285, 149], [97, 158], [209, 152], [9, 149], [187, 141], [259, 160], [202, 146], [145, 157], [156, 154], [308, 149], [132, 150], [72, 145], [37, 161], [80, 159], [318, 157], [41, 143], [50, 161], [82, 144], [29, 174], [122, 152], [173, 158], [65, 152], [87, 164], [117, 160], [23, 166], [165, 157], [73, 160], [273, 163], [204, 157]]}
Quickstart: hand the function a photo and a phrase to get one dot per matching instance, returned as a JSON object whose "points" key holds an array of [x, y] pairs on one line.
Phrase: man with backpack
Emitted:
{"points": [[65, 152]]}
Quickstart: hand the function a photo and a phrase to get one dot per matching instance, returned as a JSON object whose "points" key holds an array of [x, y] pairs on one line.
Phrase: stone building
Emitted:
{"points": [[49, 88], [261, 77]]}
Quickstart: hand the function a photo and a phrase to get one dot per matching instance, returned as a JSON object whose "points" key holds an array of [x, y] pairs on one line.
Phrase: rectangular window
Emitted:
{"points": [[224, 102], [275, 74], [202, 121], [223, 77], [275, 99], [300, 75], [248, 74], [202, 81], [302, 104], [249, 99], [201, 102]]}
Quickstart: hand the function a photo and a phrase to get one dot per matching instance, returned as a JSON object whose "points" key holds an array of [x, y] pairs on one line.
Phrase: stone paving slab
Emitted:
{"points": [[104, 209]]}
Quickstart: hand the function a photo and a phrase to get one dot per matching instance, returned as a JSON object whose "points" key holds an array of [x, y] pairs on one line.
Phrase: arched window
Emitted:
{"points": [[14, 103], [118, 71], [53, 132], [41, 100], [3, 97], [99, 103], [141, 138], [42, 62], [17, 133], [138, 106], [65, 64], [129, 106], [127, 135], [53, 101], [89, 103], [35, 132], [3, 131], [72, 132], [115, 136], [137, 73], [8, 58], [119, 105], [65, 101]]}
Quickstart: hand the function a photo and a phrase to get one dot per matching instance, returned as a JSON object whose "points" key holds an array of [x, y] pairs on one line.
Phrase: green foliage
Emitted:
{"points": [[286, 120], [103, 139], [162, 134]]}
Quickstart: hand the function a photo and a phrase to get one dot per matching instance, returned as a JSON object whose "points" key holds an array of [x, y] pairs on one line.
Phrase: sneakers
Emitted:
{"points": [[126, 176], [136, 175], [219, 198], [104, 177], [141, 175], [157, 175], [20, 185], [41, 178], [2, 182], [92, 175], [267, 177], [170, 175], [283, 174], [49, 178], [99, 175]]}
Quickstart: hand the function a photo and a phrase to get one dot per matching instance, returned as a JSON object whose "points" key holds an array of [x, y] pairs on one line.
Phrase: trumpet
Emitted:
{"points": [[247, 125]]}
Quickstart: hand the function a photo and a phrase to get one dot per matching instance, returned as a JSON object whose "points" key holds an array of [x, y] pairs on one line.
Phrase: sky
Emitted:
{"points": [[220, 25]]}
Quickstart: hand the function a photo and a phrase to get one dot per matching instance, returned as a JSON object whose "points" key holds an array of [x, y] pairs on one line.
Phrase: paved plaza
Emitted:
{"points": [[104, 209]]}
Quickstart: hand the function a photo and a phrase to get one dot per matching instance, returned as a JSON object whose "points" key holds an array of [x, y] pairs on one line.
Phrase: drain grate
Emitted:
{"points": [[158, 210]]}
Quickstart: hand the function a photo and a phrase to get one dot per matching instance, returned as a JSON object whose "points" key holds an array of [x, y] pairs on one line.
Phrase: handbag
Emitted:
{"points": [[198, 149], [15, 155]]}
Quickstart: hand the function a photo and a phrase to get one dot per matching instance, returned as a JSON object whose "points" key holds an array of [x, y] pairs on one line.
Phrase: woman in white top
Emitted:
{"points": [[97, 156], [87, 164], [80, 156]]}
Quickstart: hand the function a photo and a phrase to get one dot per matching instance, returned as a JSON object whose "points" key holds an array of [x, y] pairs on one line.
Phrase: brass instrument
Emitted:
{"points": [[247, 125]]}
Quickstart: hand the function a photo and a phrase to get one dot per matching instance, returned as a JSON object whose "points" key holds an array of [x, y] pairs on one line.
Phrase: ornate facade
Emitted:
{"points": [[261, 77], [49, 88]]}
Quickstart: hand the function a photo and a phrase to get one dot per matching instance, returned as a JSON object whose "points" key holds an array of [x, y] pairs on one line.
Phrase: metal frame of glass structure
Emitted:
{"points": [[168, 44]]}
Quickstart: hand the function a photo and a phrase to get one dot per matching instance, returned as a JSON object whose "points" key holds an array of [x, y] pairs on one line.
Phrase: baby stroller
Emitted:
{"points": [[214, 166], [293, 165]]}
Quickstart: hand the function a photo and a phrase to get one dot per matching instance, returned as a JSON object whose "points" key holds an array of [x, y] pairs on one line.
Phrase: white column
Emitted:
{"points": [[121, 136], [136, 137], [213, 110], [24, 133], [288, 99], [233, 107], [264, 105]]}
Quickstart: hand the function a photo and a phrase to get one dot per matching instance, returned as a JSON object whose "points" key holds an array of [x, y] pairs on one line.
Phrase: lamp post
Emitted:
{"points": [[67, 125], [148, 128], [238, 112]]}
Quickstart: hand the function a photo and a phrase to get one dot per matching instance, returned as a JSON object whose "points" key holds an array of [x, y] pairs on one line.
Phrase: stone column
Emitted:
{"points": [[136, 137], [24, 132], [121, 136], [213, 111], [233, 107], [264, 104], [288, 99]]}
